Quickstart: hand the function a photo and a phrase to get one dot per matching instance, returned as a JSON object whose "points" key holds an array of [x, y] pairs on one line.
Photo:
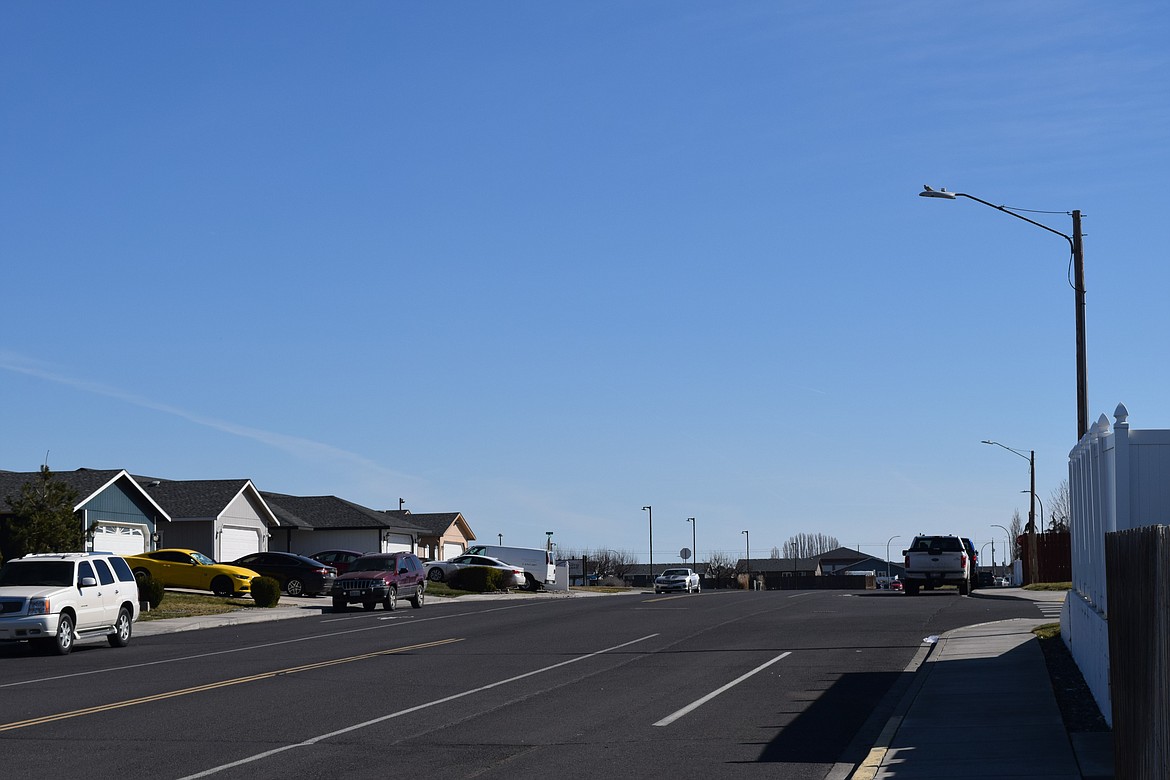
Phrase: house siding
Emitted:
{"points": [[116, 505]]}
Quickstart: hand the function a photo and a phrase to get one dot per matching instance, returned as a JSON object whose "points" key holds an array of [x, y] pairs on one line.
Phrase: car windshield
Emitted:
{"points": [[201, 558], [51, 573], [675, 573], [372, 563]]}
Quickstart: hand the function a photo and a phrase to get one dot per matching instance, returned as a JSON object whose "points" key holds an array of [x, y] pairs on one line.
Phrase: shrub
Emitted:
{"points": [[151, 591], [477, 579], [265, 591]]}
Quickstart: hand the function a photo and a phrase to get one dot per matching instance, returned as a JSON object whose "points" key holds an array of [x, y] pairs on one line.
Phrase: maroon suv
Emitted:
{"points": [[381, 578]]}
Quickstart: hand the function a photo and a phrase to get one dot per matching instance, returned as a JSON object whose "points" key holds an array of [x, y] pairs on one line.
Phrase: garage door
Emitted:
{"points": [[119, 539], [238, 542]]}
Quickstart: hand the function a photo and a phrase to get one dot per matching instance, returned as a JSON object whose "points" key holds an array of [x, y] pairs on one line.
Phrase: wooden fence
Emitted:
{"points": [[1053, 557], [1137, 566]]}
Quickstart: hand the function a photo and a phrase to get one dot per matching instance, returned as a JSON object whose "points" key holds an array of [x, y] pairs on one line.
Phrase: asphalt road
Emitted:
{"points": [[771, 683]]}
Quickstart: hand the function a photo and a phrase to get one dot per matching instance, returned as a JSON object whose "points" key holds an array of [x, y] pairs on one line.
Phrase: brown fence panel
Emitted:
{"points": [[1138, 582], [1053, 554]]}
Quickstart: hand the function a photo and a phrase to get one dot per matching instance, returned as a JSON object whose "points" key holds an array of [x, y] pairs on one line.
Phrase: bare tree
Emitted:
{"points": [[720, 569], [809, 545], [611, 563], [1017, 528], [1060, 508], [775, 554]]}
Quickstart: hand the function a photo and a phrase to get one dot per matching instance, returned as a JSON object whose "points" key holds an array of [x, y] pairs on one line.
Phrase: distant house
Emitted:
{"points": [[224, 519], [117, 515], [446, 534], [310, 524]]}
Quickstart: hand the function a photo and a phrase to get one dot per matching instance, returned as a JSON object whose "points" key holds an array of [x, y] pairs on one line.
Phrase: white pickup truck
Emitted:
{"points": [[931, 561]]}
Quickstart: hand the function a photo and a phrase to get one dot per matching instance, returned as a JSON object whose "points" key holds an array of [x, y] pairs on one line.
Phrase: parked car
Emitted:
{"points": [[54, 599], [338, 559], [1002, 582], [298, 575], [933, 561], [677, 579], [896, 585], [537, 563], [179, 568], [438, 571], [381, 578]]}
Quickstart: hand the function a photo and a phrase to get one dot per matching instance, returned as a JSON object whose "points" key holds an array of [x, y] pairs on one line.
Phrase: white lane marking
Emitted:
{"points": [[400, 713], [700, 702], [247, 648]]}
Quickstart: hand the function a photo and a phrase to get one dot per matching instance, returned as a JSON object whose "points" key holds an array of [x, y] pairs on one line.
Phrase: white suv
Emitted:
{"points": [[53, 599]]}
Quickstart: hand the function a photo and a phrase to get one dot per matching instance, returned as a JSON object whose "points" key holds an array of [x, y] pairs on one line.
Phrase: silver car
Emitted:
{"points": [[438, 571], [677, 580]]}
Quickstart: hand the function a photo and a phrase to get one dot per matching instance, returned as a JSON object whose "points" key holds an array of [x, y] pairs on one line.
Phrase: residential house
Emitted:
{"points": [[224, 519], [446, 534], [310, 524], [117, 514]]}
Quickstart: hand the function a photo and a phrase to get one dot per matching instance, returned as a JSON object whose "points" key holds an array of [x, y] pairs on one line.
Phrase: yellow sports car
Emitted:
{"points": [[176, 568]]}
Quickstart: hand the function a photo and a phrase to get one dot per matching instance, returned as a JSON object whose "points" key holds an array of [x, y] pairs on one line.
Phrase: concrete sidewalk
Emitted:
{"points": [[982, 705]]}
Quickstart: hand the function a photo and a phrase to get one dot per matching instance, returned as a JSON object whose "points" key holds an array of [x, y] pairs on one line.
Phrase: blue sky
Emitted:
{"points": [[548, 263]]}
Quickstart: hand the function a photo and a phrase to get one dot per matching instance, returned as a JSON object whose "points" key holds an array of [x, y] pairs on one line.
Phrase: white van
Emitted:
{"points": [[538, 565]]}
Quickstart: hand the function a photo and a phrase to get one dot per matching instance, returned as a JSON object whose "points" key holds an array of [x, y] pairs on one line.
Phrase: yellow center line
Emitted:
{"points": [[212, 686]]}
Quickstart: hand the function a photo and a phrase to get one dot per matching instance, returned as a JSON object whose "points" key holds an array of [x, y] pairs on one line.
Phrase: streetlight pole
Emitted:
{"points": [[892, 538], [747, 540], [1078, 261], [1041, 509], [1033, 559], [1009, 552], [694, 547], [650, 510]]}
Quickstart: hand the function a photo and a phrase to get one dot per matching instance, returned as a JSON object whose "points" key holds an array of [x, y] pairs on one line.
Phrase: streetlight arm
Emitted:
{"points": [[928, 192], [1009, 449]]}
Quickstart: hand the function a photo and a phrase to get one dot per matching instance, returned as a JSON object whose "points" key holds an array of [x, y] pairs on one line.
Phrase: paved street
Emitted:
{"points": [[634, 685]]}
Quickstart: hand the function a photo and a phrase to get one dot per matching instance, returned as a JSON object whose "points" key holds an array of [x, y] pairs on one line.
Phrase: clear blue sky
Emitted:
{"points": [[547, 263]]}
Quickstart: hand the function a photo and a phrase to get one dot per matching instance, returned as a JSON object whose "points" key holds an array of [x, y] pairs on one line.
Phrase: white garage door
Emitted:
{"points": [[119, 539], [238, 542], [451, 550]]}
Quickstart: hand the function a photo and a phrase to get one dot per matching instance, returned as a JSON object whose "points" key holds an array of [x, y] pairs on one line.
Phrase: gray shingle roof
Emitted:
{"points": [[192, 499], [334, 513], [85, 481]]}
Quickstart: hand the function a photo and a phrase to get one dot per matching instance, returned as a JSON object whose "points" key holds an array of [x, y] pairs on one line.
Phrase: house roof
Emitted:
{"points": [[202, 499], [331, 512], [87, 482], [434, 523]]}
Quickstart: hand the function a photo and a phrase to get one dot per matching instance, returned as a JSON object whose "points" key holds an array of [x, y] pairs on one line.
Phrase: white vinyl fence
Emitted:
{"points": [[1119, 479]]}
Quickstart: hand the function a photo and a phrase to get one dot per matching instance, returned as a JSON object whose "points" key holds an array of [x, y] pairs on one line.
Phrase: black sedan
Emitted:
{"points": [[297, 575]]}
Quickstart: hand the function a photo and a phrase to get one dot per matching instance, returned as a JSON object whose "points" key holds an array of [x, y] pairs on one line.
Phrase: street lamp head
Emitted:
{"points": [[930, 192]]}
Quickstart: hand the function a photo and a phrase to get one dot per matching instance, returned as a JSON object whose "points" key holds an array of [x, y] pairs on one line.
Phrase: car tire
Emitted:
{"points": [[435, 574], [416, 601], [123, 627], [391, 601], [964, 588], [530, 582], [699, 588], [62, 643], [221, 586], [295, 587], [340, 605]]}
